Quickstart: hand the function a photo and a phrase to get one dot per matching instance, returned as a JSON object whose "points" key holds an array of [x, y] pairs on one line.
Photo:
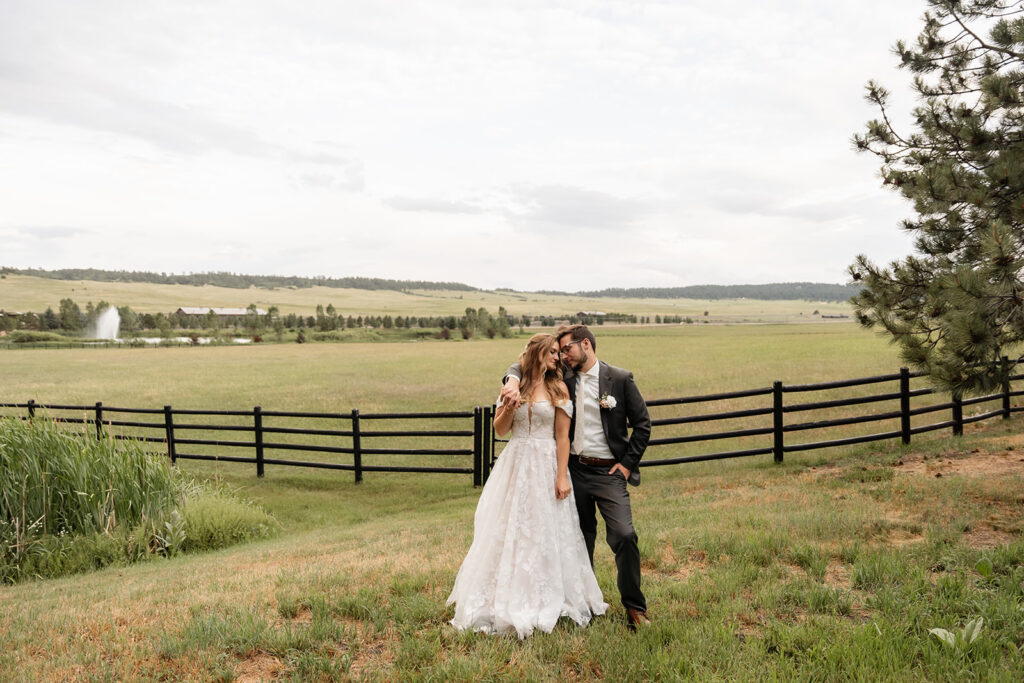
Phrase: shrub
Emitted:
{"points": [[216, 519], [31, 337]]}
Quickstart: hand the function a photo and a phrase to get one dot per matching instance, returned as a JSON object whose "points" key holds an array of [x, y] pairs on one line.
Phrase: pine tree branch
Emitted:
{"points": [[982, 43]]}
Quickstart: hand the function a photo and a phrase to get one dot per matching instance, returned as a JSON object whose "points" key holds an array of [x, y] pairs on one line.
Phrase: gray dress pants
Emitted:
{"points": [[593, 486]]}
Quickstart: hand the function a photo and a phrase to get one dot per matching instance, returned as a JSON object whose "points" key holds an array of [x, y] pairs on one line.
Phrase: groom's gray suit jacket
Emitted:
{"points": [[630, 411]]}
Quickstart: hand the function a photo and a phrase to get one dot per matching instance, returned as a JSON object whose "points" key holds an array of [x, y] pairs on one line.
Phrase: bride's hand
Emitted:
{"points": [[510, 393], [562, 488]]}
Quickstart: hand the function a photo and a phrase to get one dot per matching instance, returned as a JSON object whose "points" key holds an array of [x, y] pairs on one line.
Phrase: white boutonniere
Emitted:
{"points": [[607, 402]]}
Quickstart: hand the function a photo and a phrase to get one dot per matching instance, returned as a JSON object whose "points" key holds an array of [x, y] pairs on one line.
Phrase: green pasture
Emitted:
{"points": [[433, 375], [436, 375], [26, 293]]}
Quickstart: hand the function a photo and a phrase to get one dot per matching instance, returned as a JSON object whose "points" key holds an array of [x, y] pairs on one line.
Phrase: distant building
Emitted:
{"points": [[226, 316]]}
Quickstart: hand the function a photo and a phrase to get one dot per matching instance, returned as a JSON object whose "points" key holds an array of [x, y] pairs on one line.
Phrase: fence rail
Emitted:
{"points": [[470, 446]]}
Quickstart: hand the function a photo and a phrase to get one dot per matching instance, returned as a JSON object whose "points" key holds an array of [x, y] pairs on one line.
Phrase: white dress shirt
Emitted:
{"points": [[594, 445]]}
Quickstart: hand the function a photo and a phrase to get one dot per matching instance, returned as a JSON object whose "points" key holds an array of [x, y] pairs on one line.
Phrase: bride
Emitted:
{"points": [[528, 564]]}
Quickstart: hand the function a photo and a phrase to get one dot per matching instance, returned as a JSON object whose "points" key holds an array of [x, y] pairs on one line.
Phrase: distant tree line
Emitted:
{"points": [[789, 291], [235, 280], [475, 321], [70, 318]]}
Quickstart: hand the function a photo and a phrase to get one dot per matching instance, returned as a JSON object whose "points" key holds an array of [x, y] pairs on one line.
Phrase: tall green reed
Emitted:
{"points": [[57, 483]]}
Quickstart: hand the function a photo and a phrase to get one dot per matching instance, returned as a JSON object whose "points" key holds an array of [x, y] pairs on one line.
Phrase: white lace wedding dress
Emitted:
{"points": [[528, 563]]}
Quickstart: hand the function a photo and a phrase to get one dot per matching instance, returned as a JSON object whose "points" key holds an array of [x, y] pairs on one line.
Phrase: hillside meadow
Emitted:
{"points": [[832, 566], [28, 293]]}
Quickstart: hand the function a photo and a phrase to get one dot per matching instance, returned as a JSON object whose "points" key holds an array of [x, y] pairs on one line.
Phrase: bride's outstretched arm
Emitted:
{"points": [[562, 486]]}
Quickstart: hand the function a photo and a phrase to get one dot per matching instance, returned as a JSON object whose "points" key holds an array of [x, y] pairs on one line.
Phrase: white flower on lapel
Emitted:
{"points": [[607, 402]]}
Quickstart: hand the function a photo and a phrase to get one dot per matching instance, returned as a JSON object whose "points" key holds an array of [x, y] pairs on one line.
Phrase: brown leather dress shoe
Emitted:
{"points": [[635, 618]]}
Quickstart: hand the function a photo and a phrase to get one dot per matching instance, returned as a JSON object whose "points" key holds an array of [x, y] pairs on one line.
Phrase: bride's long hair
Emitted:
{"points": [[531, 364]]}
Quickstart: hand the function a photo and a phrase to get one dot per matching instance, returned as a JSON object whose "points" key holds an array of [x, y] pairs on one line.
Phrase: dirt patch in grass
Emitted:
{"points": [[373, 656], [837, 575], [303, 617], [736, 494], [982, 537], [1012, 442], [901, 537], [696, 561], [668, 563], [750, 624], [259, 667], [971, 464], [684, 571]]}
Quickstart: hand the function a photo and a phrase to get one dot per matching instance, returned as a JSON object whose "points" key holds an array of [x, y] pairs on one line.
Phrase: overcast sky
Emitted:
{"points": [[556, 144]]}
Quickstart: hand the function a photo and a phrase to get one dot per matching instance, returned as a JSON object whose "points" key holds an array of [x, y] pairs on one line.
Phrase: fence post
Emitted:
{"points": [[777, 445], [257, 417], [357, 447], [31, 408], [958, 415], [1006, 387], [478, 439], [169, 426], [905, 404], [492, 436], [487, 449], [99, 420]]}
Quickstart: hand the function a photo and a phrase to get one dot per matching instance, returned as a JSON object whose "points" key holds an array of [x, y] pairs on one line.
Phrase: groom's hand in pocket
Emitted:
{"points": [[617, 467]]}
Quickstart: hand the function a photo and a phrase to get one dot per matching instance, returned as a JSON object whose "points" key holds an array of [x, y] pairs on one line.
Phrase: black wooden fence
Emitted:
{"points": [[348, 438]]}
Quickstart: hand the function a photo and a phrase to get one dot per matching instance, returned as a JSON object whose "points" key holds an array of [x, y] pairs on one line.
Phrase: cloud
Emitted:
{"points": [[70, 96], [346, 176], [431, 205], [541, 207], [75, 98], [48, 232], [816, 211]]}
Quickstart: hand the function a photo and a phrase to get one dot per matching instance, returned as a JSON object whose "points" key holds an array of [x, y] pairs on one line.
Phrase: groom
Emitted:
{"points": [[602, 457]]}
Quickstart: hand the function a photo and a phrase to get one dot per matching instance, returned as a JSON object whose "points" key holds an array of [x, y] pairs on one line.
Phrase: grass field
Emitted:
{"points": [[820, 569], [455, 376], [832, 566], [26, 293], [433, 375]]}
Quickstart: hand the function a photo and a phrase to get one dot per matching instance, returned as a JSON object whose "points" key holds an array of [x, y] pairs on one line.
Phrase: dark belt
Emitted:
{"points": [[593, 462]]}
